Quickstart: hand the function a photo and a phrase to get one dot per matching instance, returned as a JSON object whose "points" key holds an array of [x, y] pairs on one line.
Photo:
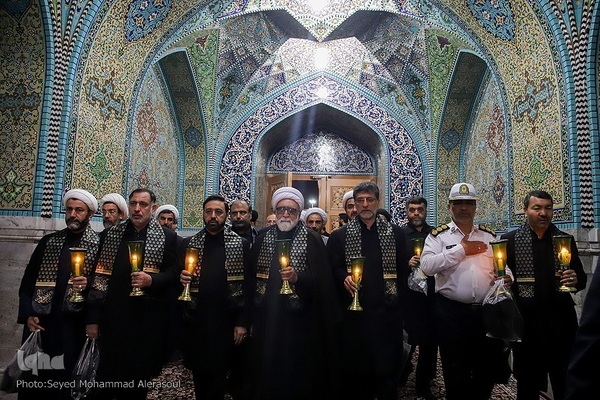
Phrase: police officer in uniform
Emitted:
{"points": [[459, 255]]}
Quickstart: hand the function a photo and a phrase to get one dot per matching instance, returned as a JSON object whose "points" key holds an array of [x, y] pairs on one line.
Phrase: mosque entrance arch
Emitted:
{"points": [[322, 151], [385, 137]]}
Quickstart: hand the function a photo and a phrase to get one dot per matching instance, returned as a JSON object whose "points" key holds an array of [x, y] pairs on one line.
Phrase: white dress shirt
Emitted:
{"points": [[462, 278]]}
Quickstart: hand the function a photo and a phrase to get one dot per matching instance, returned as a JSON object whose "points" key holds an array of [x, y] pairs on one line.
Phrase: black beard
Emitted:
{"points": [[213, 227]]}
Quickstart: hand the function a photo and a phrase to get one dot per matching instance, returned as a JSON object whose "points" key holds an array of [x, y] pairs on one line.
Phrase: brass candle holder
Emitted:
{"points": [[357, 265], [499, 252], [282, 248], [191, 262], [136, 251], [77, 263], [562, 247]]}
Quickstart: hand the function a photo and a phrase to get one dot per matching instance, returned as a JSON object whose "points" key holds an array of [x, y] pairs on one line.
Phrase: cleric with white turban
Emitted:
{"points": [[167, 207], [82, 195], [316, 210], [118, 201], [348, 195], [288, 193]]}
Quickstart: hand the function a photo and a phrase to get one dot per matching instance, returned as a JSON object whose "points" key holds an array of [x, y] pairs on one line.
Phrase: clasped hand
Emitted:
{"points": [[289, 274], [140, 279]]}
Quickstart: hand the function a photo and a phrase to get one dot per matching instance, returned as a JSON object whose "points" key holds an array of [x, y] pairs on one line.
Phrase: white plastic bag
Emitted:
{"points": [[417, 280]]}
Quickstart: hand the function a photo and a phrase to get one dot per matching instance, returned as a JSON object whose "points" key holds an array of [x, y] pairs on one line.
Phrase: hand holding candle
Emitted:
{"points": [[77, 263], [136, 250], [357, 267], [499, 254], [562, 248], [191, 263], [282, 250]]}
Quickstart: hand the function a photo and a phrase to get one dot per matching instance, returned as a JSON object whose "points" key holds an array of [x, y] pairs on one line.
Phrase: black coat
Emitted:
{"points": [[133, 330]]}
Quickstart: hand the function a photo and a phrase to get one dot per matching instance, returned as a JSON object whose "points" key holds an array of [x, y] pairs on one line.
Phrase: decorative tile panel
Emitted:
{"points": [[320, 152]]}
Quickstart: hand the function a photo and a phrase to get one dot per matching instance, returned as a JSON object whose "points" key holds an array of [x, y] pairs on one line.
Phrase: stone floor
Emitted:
{"points": [[180, 381]]}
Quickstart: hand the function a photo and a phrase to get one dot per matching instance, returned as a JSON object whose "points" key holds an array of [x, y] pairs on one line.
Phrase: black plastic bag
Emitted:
{"points": [[501, 315], [84, 373], [18, 367]]}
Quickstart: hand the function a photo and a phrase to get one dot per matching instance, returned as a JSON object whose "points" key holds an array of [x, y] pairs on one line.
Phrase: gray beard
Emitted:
{"points": [[286, 226], [76, 225]]}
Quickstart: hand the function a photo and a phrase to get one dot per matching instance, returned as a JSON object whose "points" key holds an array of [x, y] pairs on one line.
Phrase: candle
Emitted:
{"points": [[134, 262], [191, 264], [500, 263], [356, 274], [418, 251], [564, 256], [78, 266], [284, 261]]}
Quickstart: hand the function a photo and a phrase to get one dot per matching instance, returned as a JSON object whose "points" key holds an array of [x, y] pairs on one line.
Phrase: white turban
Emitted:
{"points": [[169, 208], [117, 200], [287, 193], [316, 210], [83, 195], [347, 196], [303, 215]]}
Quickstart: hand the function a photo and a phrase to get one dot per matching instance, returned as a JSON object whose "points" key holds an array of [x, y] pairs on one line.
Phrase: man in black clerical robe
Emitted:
{"points": [[132, 329], [293, 333], [217, 320], [46, 289], [371, 344]]}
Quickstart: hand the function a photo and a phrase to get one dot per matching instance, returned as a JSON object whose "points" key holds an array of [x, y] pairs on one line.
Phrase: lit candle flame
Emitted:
{"points": [[283, 261], [500, 262], [564, 257], [134, 261]]}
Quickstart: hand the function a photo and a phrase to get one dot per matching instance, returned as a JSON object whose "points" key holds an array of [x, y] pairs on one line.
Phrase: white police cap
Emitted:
{"points": [[463, 191]]}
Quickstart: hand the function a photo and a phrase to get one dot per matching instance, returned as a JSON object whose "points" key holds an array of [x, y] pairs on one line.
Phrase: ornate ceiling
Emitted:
{"points": [[378, 47]]}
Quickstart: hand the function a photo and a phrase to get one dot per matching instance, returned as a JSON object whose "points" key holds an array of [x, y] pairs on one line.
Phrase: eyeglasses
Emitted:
{"points": [[290, 210], [111, 212], [369, 200]]}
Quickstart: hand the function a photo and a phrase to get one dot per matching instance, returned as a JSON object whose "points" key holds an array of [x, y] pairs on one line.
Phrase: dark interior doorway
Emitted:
{"points": [[310, 191]]}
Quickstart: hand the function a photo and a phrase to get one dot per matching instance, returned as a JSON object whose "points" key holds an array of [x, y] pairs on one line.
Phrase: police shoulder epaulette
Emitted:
{"points": [[439, 229], [488, 230]]}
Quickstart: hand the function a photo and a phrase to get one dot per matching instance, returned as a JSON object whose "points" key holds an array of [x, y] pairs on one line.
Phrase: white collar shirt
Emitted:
{"points": [[458, 277]]}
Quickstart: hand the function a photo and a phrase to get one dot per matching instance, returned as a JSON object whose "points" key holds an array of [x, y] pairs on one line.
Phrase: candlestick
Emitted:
{"points": [[77, 262], [136, 250]]}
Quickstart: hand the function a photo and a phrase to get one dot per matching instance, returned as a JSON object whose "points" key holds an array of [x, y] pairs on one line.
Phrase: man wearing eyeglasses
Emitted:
{"points": [[293, 333], [240, 214], [114, 209], [371, 339]]}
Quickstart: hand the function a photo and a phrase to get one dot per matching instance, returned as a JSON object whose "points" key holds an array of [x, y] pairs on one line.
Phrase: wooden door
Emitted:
{"points": [[275, 182], [336, 187]]}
